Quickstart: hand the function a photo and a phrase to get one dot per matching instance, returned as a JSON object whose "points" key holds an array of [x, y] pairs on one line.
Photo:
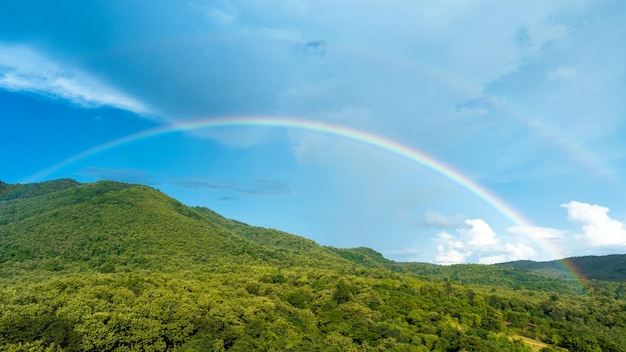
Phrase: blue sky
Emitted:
{"points": [[524, 99]]}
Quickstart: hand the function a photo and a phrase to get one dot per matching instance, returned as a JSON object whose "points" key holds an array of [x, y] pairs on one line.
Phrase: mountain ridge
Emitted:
{"points": [[611, 267], [28, 190]]}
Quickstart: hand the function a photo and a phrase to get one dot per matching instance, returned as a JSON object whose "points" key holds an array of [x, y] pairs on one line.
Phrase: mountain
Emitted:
{"points": [[606, 268], [107, 226], [110, 266]]}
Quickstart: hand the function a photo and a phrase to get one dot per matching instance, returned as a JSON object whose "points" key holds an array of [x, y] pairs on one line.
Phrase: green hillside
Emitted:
{"points": [[15, 192], [107, 227], [606, 268], [110, 266]]}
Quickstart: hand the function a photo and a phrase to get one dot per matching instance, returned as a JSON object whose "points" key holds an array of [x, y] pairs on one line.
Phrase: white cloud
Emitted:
{"points": [[501, 258], [519, 251], [24, 69], [562, 73], [537, 232], [480, 233], [513, 252], [451, 250], [482, 241], [598, 228]]}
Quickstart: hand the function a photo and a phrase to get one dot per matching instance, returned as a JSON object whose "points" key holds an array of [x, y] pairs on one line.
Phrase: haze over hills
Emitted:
{"points": [[115, 266]]}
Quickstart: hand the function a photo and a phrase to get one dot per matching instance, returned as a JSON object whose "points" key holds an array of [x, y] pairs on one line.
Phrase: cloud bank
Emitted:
{"points": [[479, 242]]}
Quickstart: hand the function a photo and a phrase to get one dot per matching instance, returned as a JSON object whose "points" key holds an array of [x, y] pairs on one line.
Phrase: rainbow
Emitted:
{"points": [[317, 126], [330, 129]]}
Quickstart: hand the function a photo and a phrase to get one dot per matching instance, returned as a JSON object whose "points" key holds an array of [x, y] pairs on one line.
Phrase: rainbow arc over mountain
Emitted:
{"points": [[368, 138]]}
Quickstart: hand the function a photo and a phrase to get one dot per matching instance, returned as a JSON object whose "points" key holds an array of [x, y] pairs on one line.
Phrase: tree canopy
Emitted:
{"points": [[118, 267]]}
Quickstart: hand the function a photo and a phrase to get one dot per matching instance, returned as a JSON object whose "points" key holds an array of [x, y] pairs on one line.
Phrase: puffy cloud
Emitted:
{"points": [[519, 251], [513, 252], [450, 256], [597, 227], [479, 234], [450, 250], [479, 239]]}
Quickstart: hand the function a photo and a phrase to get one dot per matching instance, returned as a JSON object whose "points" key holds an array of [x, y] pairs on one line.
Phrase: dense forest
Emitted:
{"points": [[110, 266]]}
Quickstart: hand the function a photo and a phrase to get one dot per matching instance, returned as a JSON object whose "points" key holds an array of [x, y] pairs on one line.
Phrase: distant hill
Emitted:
{"points": [[606, 268]]}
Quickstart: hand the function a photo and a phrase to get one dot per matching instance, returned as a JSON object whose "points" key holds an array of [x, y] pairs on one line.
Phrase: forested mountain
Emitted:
{"points": [[607, 268], [110, 266], [16, 192]]}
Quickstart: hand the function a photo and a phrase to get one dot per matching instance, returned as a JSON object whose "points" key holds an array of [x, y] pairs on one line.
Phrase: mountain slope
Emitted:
{"points": [[109, 226], [285, 248]]}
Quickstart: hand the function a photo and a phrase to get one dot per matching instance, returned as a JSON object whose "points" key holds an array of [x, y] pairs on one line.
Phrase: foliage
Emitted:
{"points": [[117, 267], [11, 192]]}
